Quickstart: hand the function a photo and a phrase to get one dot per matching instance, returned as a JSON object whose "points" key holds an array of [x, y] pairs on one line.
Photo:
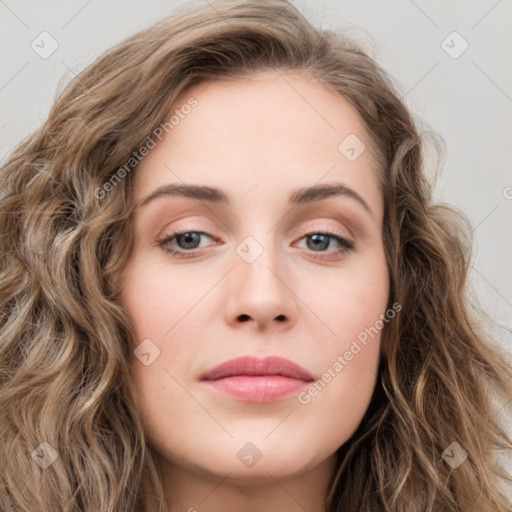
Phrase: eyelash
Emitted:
{"points": [[346, 245]]}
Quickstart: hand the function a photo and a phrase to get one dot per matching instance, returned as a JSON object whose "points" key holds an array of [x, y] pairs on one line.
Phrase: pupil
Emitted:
{"points": [[190, 238], [318, 242]]}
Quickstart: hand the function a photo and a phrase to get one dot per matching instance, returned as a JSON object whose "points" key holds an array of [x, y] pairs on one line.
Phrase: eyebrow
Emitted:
{"points": [[298, 196]]}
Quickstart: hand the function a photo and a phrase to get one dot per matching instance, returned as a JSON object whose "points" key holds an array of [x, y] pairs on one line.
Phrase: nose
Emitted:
{"points": [[261, 293]]}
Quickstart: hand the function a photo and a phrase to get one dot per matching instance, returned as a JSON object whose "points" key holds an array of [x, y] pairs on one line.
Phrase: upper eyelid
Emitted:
{"points": [[348, 218], [350, 226]]}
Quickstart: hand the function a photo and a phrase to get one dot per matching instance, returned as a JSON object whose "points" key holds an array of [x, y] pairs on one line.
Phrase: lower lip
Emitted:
{"points": [[267, 388]]}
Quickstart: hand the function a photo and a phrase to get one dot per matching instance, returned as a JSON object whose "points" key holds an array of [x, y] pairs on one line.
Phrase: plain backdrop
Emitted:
{"points": [[452, 61]]}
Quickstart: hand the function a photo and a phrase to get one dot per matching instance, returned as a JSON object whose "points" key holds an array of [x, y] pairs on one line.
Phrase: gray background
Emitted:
{"points": [[467, 100]]}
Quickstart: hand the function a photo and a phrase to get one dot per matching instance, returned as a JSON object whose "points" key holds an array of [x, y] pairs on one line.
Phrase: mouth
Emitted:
{"points": [[257, 380]]}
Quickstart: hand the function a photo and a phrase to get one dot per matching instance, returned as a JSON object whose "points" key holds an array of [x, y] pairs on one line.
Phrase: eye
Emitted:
{"points": [[183, 244], [186, 241], [317, 241]]}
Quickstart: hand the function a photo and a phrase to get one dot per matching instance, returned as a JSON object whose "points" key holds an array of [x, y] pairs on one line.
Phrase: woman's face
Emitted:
{"points": [[261, 274]]}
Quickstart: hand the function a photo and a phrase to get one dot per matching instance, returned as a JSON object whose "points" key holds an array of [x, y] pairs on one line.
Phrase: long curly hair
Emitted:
{"points": [[65, 339]]}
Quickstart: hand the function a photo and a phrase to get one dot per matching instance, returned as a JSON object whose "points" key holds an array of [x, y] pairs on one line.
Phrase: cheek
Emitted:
{"points": [[163, 313], [349, 356], [348, 302], [333, 406], [158, 299]]}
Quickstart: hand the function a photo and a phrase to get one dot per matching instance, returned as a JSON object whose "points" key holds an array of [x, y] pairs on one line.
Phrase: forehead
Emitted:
{"points": [[269, 132]]}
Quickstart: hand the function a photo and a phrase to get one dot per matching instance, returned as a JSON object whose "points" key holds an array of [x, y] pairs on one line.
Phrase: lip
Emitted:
{"points": [[257, 380]]}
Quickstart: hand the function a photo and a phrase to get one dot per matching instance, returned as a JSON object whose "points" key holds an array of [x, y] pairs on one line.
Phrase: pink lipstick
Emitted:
{"points": [[257, 380]]}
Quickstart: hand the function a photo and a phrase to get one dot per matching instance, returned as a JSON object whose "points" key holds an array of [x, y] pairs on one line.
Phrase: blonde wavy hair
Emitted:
{"points": [[65, 339]]}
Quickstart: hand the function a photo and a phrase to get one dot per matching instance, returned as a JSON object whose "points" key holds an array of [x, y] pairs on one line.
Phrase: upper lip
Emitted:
{"points": [[248, 365]]}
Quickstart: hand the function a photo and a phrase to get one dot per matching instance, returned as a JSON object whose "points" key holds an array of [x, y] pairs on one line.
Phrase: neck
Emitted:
{"points": [[190, 490]]}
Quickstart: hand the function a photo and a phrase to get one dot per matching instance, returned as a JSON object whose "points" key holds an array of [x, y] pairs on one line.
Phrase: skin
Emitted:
{"points": [[255, 138]]}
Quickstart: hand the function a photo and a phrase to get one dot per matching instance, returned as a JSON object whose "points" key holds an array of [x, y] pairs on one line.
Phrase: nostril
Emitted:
{"points": [[281, 318], [244, 318]]}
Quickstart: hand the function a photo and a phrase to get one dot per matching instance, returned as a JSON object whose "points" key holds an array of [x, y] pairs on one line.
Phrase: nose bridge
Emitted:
{"points": [[259, 263], [258, 244], [258, 287]]}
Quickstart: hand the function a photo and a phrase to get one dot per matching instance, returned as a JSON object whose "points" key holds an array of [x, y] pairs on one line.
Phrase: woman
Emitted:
{"points": [[225, 286]]}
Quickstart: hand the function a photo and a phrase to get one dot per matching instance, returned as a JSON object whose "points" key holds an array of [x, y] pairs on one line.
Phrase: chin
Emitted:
{"points": [[255, 461]]}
